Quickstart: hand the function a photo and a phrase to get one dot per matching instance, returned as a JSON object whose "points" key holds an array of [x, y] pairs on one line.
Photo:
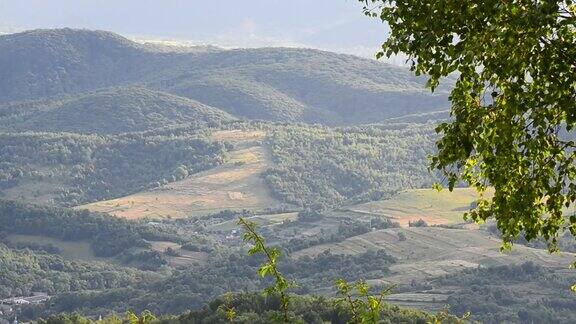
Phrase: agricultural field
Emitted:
{"points": [[233, 185], [427, 253], [434, 207], [182, 258]]}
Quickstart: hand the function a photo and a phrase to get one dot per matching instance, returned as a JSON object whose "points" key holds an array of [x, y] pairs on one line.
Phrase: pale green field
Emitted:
{"points": [[261, 220], [184, 259], [434, 207], [72, 250]]}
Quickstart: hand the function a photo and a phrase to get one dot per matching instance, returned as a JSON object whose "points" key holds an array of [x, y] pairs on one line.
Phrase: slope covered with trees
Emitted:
{"points": [[45, 63], [323, 167], [277, 84], [70, 169], [109, 111]]}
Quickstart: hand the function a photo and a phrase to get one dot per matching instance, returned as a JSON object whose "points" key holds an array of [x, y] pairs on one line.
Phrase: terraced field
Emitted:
{"points": [[234, 185], [427, 252]]}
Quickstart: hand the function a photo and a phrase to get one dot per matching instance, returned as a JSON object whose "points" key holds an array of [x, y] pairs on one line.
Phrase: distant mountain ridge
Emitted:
{"points": [[276, 84]]}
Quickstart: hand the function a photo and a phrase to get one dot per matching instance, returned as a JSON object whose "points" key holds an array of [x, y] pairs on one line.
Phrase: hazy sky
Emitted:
{"points": [[337, 25]]}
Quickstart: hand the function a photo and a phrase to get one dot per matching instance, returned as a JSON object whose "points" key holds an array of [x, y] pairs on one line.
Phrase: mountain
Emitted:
{"points": [[276, 84], [303, 85], [42, 63], [109, 111]]}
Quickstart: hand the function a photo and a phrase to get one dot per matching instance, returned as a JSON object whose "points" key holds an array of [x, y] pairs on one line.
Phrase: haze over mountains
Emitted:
{"points": [[287, 85], [332, 25]]}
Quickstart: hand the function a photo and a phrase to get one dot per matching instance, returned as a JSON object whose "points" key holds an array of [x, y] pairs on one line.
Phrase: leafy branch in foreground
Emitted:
{"points": [[365, 308], [513, 105], [226, 308], [270, 267], [444, 317]]}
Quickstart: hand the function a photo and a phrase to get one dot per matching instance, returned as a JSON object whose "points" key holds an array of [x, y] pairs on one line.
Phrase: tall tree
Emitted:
{"points": [[513, 105]]}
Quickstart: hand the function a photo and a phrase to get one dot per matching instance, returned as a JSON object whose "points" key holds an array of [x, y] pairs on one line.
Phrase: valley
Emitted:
{"points": [[124, 171]]}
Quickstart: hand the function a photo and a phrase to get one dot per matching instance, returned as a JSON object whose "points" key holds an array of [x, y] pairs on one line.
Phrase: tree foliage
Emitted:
{"points": [[320, 167], [513, 105], [270, 267], [83, 168]]}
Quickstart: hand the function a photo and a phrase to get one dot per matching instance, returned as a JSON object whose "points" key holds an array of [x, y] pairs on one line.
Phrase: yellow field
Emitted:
{"points": [[434, 207], [238, 135], [234, 185]]}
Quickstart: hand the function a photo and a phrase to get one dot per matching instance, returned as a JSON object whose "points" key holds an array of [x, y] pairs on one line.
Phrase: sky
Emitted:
{"points": [[336, 25]]}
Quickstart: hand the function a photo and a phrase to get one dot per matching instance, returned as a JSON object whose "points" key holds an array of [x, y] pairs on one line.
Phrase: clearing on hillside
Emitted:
{"points": [[234, 185], [434, 207], [182, 258], [261, 220], [71, 250]]}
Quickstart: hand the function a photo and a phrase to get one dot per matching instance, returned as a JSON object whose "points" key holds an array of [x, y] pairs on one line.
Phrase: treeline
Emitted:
{"points": [[23, 272], [73, 169], [231, 272], [108, 236], [321, 167], [253, 308]]}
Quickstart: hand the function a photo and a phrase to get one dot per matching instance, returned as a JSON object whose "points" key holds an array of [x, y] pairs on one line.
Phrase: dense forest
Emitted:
{"points": [[323, 167], [24, 271]]}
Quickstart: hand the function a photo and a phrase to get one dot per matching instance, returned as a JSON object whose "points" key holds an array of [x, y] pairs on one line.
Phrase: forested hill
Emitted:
{"points": [[277, 84], [108, 111]]}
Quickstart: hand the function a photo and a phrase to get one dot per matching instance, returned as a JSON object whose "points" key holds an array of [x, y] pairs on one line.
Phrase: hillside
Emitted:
{"points": [[432, 266], [312, 86], [44, 63], [68, 169], [435, 208], [273, 167], [276, 84], [236, 184], [113, 111]]}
